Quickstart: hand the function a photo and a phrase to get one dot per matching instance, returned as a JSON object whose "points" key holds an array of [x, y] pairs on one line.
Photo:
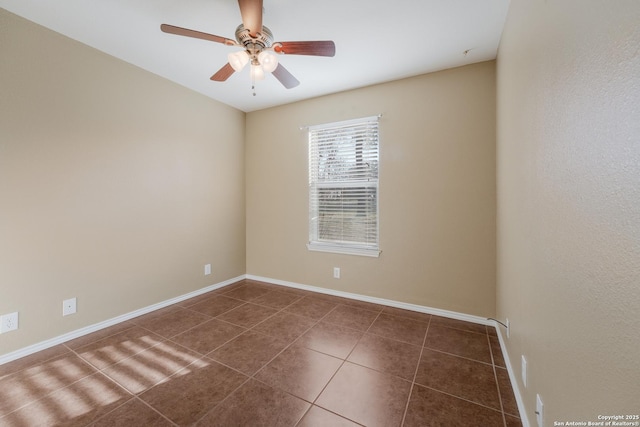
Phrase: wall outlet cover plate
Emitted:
{"points": [[8, 322], [68, 306]]}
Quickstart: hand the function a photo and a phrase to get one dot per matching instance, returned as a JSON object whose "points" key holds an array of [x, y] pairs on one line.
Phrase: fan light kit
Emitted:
{"points": [[259, 49]]}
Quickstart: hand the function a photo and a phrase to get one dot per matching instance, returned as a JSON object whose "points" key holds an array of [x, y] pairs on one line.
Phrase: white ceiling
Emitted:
{"points": [[376, 40]]}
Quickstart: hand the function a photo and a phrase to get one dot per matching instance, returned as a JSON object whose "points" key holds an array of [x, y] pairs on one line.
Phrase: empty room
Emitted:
{"points": [[300, 213]]}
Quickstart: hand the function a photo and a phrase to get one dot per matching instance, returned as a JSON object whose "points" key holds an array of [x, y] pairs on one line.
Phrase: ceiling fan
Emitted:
{"points": [[259, 48]]}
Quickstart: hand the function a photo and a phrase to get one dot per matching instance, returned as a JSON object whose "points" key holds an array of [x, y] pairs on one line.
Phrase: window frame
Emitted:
{"points": [[335, 246]]}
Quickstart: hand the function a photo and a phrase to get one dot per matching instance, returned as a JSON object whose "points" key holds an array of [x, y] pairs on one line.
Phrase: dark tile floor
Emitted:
{"points": [[256, 354]]}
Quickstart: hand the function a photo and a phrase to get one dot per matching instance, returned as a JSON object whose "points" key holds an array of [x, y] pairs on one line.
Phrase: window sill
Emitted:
{"points": [[336, 249]]}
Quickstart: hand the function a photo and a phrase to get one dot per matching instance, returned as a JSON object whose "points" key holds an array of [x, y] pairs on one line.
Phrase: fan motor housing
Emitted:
{"points": [[263, 39]]}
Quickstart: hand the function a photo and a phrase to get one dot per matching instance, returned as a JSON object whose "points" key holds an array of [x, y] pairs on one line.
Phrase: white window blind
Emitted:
{"points": [[343, 187]]}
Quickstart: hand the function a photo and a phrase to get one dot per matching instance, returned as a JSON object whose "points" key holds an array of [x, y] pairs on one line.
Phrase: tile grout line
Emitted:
{"points": [[342, 364], [136, 395], [415, 373], [114, 409], [249, 377], [458, 356], [288, 346], [223, 400], [252, 376], [211, 351], [495, 376], [163, 339], [329, 355], [206, 358], [293, 342], [133, 325], [200, 358], [136, 398], [153, 409], [96, 370], [463, 398], [460, 398], [113, 380], [38, 363], [282, 310]]}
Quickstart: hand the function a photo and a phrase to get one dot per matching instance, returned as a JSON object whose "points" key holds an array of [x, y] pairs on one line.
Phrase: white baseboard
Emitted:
{"points": [[381, 301], [5, 358], [512, 378], [390, 303], [420, 309]]}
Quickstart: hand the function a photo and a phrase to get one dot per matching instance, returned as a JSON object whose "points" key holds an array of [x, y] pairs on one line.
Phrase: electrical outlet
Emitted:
{"points": [[207, 269], [539, 411], [8, 322], [508, 328], [524, 371], [336, 272], [68, 306]]}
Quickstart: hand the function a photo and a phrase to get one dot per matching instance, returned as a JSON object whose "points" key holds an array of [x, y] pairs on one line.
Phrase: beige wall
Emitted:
{"points": [[437, 191], [116, 186], [569, 204]]}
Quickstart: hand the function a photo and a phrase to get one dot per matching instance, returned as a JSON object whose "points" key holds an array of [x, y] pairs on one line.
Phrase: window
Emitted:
{"points": [[343, 187]]}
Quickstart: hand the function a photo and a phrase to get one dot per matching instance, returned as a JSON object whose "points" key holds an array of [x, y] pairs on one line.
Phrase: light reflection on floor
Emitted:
{"points": [[76, 388]]}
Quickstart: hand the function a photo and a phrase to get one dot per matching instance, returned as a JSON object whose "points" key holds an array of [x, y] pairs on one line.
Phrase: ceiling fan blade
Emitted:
{"points": [[251, 11], [285, 77], [316, 48], [171, 29], [223, 73]]}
